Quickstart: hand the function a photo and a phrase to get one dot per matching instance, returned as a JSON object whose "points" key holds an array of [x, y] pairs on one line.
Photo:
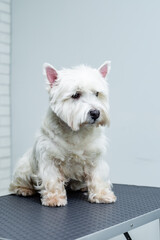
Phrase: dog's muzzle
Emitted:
{"points": [[94, 114]]}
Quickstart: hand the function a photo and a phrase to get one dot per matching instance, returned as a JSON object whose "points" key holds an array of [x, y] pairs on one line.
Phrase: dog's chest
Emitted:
{"points": [[77, 164], [77, 159]]}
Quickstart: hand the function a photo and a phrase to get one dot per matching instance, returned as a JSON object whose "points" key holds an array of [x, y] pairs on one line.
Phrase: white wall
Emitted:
{"points": [[5, 160], [67, 33]]}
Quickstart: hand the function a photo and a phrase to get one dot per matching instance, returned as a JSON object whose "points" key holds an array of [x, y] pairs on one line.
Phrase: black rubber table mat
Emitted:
{"points": [[25, 217]]}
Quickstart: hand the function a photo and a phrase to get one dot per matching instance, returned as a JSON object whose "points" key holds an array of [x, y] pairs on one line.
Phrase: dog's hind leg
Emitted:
{"points": [[22, 182]]}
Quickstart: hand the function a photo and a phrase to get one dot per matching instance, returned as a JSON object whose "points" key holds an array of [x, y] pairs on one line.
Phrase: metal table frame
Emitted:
{"points": [[124, 228], [25, 217]]}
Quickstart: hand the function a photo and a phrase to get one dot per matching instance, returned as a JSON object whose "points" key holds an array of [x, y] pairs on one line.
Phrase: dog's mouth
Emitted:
{"points": [[92, 121]]}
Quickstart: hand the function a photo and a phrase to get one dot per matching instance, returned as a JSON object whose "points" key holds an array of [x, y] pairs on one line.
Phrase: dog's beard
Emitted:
{"points": [[77, 116]]}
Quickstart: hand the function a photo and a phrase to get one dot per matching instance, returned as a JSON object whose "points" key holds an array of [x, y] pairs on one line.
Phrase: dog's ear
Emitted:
{"points": [[105, 68], [50, 72]]}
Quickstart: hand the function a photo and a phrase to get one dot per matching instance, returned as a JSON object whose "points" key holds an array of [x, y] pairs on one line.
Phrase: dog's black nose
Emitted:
{"points": [[94, 114]]}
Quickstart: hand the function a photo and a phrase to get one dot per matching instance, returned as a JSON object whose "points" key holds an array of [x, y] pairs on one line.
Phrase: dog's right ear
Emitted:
{"points": [[105, 68], [50, 72]]}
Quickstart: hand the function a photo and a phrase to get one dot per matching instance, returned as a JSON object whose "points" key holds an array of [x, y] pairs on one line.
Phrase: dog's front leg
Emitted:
{"points": [[99, 186], [52, 191]]}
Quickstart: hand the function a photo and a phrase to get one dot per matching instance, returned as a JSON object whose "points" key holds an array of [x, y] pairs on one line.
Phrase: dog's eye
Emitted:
{"points": [[97, 93], [76, 95]]}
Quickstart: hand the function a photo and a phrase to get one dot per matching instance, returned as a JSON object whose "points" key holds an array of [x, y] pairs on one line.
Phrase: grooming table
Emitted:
{"points": [[25, 217]]}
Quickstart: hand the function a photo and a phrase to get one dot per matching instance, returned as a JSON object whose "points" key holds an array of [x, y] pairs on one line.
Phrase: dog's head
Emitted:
{"points": [[79, 96]]}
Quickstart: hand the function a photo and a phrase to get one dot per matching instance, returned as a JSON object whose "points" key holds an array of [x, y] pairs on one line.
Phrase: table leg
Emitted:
{"points": [[127, 236], [159, 228]]}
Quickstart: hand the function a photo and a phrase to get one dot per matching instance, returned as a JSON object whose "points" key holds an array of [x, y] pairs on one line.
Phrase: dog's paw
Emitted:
{"points": [[54, 200], [103, 197], [24, 191]]}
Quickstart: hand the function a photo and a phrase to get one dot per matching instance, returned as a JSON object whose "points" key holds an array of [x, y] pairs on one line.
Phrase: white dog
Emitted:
{"points": [[70, 149]]}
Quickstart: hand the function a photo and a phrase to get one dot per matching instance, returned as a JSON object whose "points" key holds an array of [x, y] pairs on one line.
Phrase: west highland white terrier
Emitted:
{"points": [[71, 146]]}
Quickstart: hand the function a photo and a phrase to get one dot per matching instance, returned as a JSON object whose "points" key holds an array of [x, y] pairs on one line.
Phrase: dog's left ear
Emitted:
{"points": [[105, 68], [50, 72]]}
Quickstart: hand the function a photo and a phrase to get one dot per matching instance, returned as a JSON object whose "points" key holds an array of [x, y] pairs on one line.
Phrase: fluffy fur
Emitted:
{"points": [[70, 148]]}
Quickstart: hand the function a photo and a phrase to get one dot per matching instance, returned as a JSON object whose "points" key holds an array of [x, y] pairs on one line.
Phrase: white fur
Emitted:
{"points": [[70, 147]]}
